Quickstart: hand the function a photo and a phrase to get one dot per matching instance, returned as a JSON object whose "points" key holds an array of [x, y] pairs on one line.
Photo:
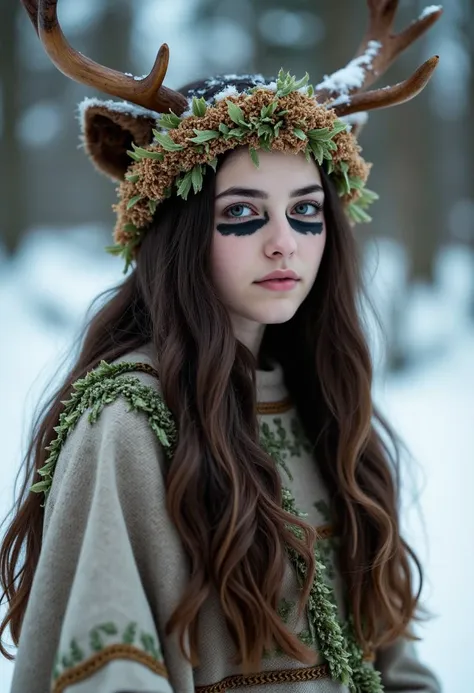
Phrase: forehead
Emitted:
{"points": [[277, 171]]}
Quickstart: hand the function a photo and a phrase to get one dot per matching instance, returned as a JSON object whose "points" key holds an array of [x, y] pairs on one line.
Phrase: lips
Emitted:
{"points": [[278, 279], [279, 275]]}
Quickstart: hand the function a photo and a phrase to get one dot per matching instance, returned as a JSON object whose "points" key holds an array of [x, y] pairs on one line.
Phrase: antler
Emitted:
{"points": [[147, 92], [377, 52]]}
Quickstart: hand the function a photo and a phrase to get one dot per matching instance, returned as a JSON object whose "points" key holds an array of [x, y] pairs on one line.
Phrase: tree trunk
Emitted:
{"points": [[13, 192]]}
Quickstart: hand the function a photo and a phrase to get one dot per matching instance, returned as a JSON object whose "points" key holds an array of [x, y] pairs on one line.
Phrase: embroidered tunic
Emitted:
{"points": [[112, 568]]}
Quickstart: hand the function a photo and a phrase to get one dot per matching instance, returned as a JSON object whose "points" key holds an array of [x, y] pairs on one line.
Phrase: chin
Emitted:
{"points": [[273, 315]]}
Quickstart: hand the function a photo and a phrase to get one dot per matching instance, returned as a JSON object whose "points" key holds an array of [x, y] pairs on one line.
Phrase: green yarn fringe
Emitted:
{"points": [[100, 387]]}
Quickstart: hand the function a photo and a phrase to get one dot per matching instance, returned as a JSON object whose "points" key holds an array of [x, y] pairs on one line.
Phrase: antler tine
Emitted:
{"points": [[378, 50], [147, 92], [390, 96]]}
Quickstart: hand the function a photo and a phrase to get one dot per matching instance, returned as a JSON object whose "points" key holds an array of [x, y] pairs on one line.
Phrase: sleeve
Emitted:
{"points": [[403, 672], [89, 626]]}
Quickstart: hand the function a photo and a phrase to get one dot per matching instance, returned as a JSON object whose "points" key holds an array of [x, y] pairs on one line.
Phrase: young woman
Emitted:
{"points": [[214, 499]]}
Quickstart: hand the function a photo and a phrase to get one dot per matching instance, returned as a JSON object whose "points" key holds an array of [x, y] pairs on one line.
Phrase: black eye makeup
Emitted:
{"points": [[246, 228], [314, 227], [241, 228]]}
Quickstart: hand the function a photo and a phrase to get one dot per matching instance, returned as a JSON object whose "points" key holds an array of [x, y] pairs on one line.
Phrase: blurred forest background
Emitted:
{"points": [[423, 151], [56, 218]]}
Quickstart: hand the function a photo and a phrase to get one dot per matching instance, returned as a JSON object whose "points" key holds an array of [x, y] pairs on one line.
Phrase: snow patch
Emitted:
{"points": [[352, 76]]}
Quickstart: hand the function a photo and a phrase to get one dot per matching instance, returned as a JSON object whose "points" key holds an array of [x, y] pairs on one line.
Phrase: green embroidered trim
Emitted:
{"points": [[274, 445], [336, 641], [328, 548], [284, 610], [99, 638], [278, 444], [100, 387], [365, 678], [324, 625]]}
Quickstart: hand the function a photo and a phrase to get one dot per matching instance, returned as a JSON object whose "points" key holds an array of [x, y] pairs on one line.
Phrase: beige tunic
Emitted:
{"points": [[112, 569]]}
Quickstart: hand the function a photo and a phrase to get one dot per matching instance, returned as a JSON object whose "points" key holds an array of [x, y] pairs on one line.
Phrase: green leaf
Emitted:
{"points": [[338, 127], [265, 130], [356, 183], [236, 132], [223, 128], [299, 134], [236, 113], [367, 197], [213, 164], [130, 633], [254, 156], [327, 154], [345, 184], [302, 82], [169, 121], [318, 151], [357, 214], [147, 153], [310, 90], [108, 628], [267, 111], [152, 205], [184, 185], [132, 177], [286, 83], [204, 136], [199, 106], [133, 201], [130, 228], [197, 178], [166, 142], [276, 127], [320, 134], [41, 486], [133, 156]]}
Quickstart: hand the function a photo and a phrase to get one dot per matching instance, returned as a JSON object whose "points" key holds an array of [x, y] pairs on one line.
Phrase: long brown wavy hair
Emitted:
{"points": [[223, 491]]}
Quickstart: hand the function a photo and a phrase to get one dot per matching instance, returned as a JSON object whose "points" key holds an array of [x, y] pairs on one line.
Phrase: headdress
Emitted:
{"points": [[158, 142]]}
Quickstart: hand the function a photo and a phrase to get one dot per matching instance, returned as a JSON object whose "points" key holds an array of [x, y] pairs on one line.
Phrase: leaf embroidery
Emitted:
{"points": [[100, 637]]}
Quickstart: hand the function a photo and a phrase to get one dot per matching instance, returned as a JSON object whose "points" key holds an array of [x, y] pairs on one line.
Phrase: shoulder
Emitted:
{"points": [[115, 422]]}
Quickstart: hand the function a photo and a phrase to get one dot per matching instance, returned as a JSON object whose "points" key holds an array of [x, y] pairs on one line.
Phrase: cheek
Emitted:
{"points": [[230, 255], [312, 248]]}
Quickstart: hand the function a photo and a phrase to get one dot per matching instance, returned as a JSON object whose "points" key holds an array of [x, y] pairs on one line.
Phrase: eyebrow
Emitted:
{"points": [[252, 192]]}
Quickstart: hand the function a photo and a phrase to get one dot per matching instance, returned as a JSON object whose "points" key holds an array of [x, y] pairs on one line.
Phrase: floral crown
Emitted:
{"points": [[281, 115], [154, 156]]}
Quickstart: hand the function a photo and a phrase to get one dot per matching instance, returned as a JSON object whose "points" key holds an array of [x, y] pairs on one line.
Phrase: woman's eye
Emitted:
{"points": [[236, 211], [308, 209]]}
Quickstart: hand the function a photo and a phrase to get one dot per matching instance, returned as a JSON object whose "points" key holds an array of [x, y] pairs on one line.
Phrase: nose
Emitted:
{"points": [[280, 237]]}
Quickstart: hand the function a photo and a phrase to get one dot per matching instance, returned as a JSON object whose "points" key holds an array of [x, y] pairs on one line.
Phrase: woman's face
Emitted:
{"points": [[266, 218]]}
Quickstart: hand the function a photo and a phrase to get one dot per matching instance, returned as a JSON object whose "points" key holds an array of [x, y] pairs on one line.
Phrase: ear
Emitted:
{"points": [[108, 130]]}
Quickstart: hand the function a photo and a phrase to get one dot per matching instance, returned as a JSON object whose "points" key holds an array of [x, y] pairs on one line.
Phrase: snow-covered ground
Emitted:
{"points": [[46, 291]]}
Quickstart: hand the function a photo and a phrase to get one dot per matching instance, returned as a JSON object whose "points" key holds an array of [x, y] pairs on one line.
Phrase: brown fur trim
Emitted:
{"points": [[108, 134]]}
